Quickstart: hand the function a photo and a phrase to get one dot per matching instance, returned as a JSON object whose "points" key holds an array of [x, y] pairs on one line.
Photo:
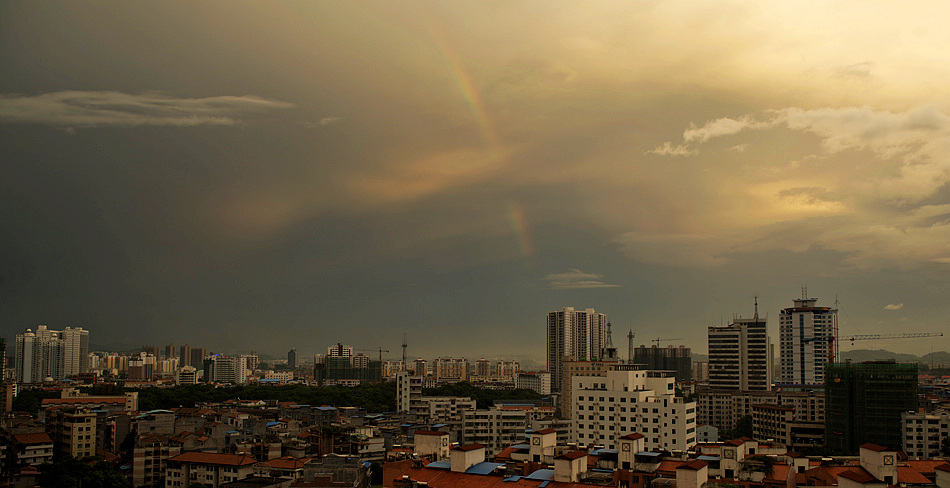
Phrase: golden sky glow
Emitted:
{"points": [[486, 160]]}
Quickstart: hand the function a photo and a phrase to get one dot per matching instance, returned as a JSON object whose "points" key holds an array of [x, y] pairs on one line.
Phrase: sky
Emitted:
{"points": [[260, 176]]}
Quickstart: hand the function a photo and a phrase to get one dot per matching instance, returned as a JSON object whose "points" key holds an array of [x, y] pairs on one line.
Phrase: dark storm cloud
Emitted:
{"points": [[105, 108]]}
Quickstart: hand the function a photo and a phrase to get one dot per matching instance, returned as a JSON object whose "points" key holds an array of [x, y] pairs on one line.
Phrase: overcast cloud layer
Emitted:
{"points": [[277, 175]]}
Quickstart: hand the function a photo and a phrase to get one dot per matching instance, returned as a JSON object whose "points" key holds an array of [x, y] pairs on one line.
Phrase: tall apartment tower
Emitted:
{"points": [[740, 356], [807, 335], [579, 334], [51, 353], [292, 359], [76, 351]]}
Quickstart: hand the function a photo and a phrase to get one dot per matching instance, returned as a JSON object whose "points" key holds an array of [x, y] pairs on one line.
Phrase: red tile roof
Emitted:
{"points": [[470, 447], [944, 467], [214, 458], [572, 455], [693, 465], [545, 431], [875, 447], [82, 400], [286, 462], [859, 477], [28, 439], [633, 437], [907, 475]]}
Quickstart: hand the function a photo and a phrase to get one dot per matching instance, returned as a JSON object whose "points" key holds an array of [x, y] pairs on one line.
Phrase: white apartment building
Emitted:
{"points": [[723, 409], [925, 433], [450, 370], [207, 468], [76, 351], [227, 369], [445, 409], [807, 335], [408, 391], [740, 355], [50, 353], [539, 382], [506, 369], [632, 401], [580, 334], [495, 428], [186, 375]]}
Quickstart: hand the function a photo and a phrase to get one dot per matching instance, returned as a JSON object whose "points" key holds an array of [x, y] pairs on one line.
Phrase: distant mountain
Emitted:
{"points": [[936, 357], [858, 355], [700, 357]]}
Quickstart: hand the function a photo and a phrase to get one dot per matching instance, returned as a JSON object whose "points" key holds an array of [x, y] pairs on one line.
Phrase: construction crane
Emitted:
{"points": [[657, 340], [865, 337], [381, 351], [909, 335]]}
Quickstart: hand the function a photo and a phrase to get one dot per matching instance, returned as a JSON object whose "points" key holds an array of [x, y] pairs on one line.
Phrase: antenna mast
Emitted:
{"points": [[630, 347], [404, 345]]}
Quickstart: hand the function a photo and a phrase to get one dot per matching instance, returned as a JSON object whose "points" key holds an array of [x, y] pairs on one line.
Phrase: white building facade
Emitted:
{"points": [[632, 401], [580, 334], [807, 335], [740, 355], [925, 433]]}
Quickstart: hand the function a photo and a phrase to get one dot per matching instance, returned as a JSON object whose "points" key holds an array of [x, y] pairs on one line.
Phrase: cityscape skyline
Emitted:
{"points": [[267, 178]]}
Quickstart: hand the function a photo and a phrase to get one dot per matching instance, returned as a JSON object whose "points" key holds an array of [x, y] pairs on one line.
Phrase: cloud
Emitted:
{"points": [[575, 279], [329, 120], [721, 127], [856, 70], [668, 149], [116, 109], [894, 306]]}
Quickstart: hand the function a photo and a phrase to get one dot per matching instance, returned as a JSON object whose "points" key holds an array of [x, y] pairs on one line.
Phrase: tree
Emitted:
{"points": [[743, 428], [70, 472], [945, 447]]}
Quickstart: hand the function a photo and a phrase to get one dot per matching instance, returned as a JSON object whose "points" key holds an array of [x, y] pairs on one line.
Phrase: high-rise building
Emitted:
{"points": [[740, 356], [807, 336], [339, 351], [198, 355], [450, 370], [184, 354], [482, 368], [171, 351], [670, 358], [580, 334], [51, 354], [292, 359], [76, 351], [225, 369], [864, 403]]}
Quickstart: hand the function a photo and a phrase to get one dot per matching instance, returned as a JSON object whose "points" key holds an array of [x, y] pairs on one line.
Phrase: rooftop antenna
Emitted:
{"points": [[610, 341], [630, 345], [804, 292], [404, 345], [756, 316]]}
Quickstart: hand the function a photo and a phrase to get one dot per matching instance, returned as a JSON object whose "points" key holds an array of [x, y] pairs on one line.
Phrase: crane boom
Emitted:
{"points": [[908, 335], [657, 340]]}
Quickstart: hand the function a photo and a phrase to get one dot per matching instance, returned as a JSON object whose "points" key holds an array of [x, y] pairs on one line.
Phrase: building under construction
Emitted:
{"points": [[864, 402], [670, 358]]}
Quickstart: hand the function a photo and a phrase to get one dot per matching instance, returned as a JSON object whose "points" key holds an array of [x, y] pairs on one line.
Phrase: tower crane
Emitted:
{"points": [[381, 351], [865, 337], [657, 340], [908, 335]]}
